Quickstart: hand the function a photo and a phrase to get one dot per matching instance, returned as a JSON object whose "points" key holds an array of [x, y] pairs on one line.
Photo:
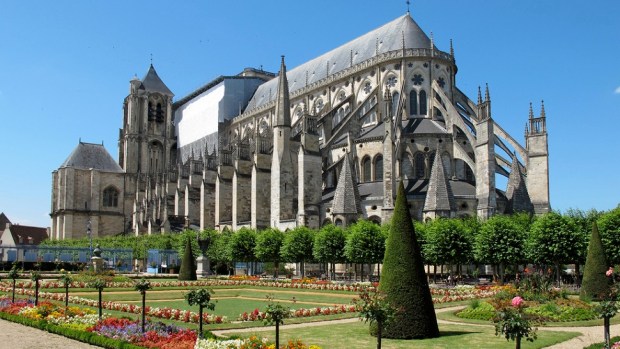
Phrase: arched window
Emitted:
{"points": [[338, 222], [413, 102], [156, 157], [395, 100], [423, 102], [378, 168], [110, 197], [366, 169], [419, 165]]}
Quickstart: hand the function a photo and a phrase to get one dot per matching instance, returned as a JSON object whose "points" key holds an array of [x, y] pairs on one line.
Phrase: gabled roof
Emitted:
{"points": [[87, 155], [151, 82], [389, 37], [346, 195], [422, 126], [29, 235], [439, 196], [3, 221]]}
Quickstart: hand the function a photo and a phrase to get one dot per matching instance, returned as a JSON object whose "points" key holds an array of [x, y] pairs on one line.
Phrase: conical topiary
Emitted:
{"points": [[403, 279], [188, 265], [595, 284]]}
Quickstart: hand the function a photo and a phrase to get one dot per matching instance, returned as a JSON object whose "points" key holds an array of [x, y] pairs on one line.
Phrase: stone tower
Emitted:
{"points": [[282, 177], [538, 161], [485, 158]]}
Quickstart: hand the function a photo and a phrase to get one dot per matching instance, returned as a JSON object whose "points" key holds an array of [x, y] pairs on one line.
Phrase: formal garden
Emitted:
{"points": [[310, 289]]}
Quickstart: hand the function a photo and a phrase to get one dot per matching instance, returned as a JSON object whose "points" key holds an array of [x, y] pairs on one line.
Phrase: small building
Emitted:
{"points": [[14, 235]]}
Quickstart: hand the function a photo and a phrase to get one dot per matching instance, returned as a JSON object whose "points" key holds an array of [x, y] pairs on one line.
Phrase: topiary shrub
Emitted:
{"points": [[595, 284], [403, 279], [188, 264]]}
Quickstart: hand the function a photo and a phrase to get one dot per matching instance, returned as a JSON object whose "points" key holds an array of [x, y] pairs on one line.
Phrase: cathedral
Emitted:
{"points": [[325, 142]]}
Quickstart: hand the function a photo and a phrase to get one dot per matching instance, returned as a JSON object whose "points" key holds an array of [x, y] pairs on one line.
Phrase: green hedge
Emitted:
{"points": [[82, 336]]}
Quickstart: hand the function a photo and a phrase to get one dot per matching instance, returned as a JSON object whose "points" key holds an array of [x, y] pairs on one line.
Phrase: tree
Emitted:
{"points": [[583, 222], [275, 314], [142, 286], [403, 279], [328, 247], [201, 298], [609, 228], [500, 242], [99, 285], [595, 284], [297, 247], [268, 245], [553, 239], [242, 244], [365, 244], [188, 263], [219, 253], [35, 276], [375, 309], [13, 274], [449, 242], [66, 279]]}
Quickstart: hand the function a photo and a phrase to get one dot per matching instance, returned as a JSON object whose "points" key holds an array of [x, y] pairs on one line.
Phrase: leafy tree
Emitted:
{"points": [[242, 244], [374, 308], [328, 247], [66, 279], [554, 239], [403, 279], [188, 263], [13, 274], [365, 243], [609, 227], [595, 284], [583, 222], [201, 298], [268, 245], [297, 247], [449, 242], [500, 242], [36, 276], [218, 251]]}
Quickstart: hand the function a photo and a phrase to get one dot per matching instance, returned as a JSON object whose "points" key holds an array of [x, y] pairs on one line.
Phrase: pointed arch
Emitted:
{"points": [[378, 167], [420, 165], [366, 169], [423, 103], [413, 102]]}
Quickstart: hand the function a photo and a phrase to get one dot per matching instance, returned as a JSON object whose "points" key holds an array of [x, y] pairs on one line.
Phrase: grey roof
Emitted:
{"points": [[377, 131], [152, 82], [87, 155], [439, 196], [422, 126], [346, 196], [389, 37]]}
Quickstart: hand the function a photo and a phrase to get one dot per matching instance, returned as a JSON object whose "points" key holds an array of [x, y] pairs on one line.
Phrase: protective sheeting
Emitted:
{"points": [[200, 116]]}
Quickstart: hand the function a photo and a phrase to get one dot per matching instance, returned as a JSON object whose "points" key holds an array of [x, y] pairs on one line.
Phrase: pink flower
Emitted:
{"points": [[609, 272], [517, 301]]}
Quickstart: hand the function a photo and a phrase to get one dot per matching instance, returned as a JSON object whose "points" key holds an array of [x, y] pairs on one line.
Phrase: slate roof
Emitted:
{"points": [[346, 195], [152, 82], [27, 233], [439, 196], [377, 131], [3, 221], [386, 38], [88, 155], [422, 126]]}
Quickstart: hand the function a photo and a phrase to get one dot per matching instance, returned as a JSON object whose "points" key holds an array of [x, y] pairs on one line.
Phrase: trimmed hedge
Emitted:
{"points": [[403, 279], [82, 336], [188, 264], [595, 284]]}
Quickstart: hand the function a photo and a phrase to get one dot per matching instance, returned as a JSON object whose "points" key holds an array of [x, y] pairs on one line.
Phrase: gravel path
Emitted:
{"points": [[16, 336]]}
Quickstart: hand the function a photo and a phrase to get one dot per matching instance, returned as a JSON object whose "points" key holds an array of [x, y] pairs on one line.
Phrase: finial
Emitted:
{"points": [[377, 47], [351, 58], [151, 59], [282, 59], [451, 49], [479, 96], [403, 40], [432, 41], [526, 129], [487, 96], [408, 2], [531, 111], [542, 108]]}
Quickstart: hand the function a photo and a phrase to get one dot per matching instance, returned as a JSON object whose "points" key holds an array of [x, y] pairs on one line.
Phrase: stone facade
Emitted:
{"points": [[385, 104]]}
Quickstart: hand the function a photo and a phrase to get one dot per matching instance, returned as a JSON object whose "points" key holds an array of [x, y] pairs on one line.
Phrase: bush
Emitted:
{"points": [[595, 285], [188, 264], [482, 311]]}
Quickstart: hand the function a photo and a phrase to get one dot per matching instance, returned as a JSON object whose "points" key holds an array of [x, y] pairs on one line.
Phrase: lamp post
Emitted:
{"points": [[90, 237]]}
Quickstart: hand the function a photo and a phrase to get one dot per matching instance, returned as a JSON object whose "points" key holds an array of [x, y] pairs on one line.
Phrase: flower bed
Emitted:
{"points": [[249, 343], [258, 315]]}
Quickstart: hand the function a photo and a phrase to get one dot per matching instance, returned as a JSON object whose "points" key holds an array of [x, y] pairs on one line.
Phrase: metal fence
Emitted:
{"points": [[120, 259]]}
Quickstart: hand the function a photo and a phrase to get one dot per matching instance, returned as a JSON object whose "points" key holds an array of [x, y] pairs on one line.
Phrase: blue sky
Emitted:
{"points": [[65, 68]]}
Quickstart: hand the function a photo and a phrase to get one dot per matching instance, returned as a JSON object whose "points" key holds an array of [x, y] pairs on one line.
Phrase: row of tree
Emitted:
{"points": [[551, 240]]}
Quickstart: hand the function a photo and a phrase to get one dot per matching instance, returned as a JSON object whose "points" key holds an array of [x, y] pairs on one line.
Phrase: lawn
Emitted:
{"points": [[355, 335]]}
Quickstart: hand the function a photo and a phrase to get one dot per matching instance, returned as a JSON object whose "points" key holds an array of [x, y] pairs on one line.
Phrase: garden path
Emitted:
{"points": [[16, 336]]}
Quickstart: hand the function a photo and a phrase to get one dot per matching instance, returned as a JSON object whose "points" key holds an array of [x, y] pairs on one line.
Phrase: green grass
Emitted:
{"points": [[355, 335]]}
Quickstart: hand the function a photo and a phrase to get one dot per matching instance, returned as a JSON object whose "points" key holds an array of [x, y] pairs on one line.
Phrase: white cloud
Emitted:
{"points": [[617, 91]]}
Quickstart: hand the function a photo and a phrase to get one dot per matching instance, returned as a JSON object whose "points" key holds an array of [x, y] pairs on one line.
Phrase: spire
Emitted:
{"points": [[479, 96], [153, 83], [439, 198], [487, 96], [516, 191], [531, 116], [283, 110], [451, 49], [542, 109], [408, 2], [346, 196]]}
